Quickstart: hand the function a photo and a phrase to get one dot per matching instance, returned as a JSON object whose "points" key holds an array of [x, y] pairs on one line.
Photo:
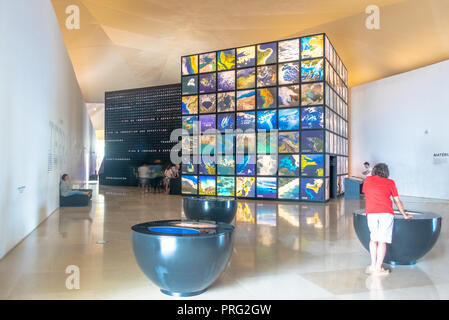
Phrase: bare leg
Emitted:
{"points": [[381, 250], [373, 247]]}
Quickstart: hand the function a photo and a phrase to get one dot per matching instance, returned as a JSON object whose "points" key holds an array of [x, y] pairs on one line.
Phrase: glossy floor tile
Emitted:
{"points": [[282, 251]]}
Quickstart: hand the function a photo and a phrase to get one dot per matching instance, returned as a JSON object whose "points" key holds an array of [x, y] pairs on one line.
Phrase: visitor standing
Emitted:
{"points": [[366, 170], [378, 190], [168, 174], [144, 175]]}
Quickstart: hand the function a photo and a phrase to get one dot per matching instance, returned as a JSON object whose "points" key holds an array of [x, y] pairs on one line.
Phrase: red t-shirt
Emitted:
{"points": [[378, 192]]}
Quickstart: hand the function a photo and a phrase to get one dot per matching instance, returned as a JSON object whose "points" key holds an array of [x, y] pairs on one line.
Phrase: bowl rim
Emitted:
{"points": [[219, 228], [417, 215]]}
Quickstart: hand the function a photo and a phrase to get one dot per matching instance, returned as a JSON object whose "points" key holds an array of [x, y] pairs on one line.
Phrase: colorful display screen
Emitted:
{"points": [[206, 185], [266, 98], [208, 103], [312, 189], [246, 165], [189, 85], [246, 100], [266, 116], [225, 186], [312, 165], [226, 121], [189, 184], [246, 121], [312, 141], [288, 96], [246, 187], [208, 62], [226, 165], [267, 120], [289, 165], [288, 188], [312, 118], [207, 83], [289, 119], [266, 187]]}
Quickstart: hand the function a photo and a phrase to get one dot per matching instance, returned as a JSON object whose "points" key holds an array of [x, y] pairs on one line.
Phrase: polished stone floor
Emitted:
{"points": [[282, 251]]}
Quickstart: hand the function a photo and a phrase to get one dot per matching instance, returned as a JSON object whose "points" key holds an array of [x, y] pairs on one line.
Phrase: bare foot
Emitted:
{"points": [[381, 272], [369, 270]]}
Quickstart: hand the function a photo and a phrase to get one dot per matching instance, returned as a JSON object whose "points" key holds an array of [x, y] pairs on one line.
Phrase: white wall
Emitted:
{"points": [[388, 123], [44, 126]]}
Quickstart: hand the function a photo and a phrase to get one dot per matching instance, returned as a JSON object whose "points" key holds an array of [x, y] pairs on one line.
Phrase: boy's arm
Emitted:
{"points": [[400, 206]]}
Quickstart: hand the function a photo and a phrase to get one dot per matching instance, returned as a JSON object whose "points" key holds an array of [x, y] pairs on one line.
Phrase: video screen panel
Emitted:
{"points": [[246, 78], [246, 100], [225, 186], [246, 57], [225, 121], [189, 85], [208, 103], [246, 121], [267, 120], [226, 165], [266, 76], [289, 119], [267, 53], [312, 118], [226, 80], [312, 189], [289, 165], [246, 187], [206, 185], [266, 98], [288, 188], [189, 65], [312, 165], [207, 122], [207, 83], [289, 142], [246, 165], [226, 59], [266, 188], [226, 101], [207, 165], [189, 104], [312, 141], [288, 96], [208, 62], [189, 184]]}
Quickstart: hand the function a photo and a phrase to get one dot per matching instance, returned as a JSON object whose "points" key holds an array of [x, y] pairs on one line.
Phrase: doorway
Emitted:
{"points": [[333, 177]]}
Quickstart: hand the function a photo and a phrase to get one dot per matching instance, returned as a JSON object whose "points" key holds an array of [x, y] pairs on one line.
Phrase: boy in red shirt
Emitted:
{"points": [[378, 190]]}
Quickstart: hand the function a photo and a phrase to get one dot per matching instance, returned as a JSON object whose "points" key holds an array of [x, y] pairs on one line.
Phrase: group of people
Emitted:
{"points": [[153, 178]]}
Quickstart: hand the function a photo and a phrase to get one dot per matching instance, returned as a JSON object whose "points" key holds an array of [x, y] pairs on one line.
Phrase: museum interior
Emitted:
{"points": [[189, 150]]}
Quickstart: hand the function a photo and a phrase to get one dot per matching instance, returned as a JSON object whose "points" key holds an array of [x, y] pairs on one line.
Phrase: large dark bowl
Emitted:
{"points": [[412, 239], [185, 263], [210, 208]]}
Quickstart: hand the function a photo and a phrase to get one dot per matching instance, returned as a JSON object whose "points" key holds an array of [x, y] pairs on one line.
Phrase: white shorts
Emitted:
{"points": [[380, 226]]}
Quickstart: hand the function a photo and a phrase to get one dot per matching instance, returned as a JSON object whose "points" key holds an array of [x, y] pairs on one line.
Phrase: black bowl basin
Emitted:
{"points": [[183, 258], [411, 240], [210, 208]]}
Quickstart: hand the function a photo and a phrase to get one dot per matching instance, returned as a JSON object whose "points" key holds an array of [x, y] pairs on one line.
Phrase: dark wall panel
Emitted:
{"points": [[138, 124]]}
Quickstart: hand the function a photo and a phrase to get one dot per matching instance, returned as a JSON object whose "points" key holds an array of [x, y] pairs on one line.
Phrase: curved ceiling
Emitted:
{"points": [[135, 43]]}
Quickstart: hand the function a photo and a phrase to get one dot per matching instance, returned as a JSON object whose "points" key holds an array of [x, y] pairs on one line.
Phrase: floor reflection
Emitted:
{"points": [[291, 250]]}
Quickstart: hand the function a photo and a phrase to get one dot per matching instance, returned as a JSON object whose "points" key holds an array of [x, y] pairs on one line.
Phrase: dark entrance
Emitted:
{"points": [[333, 177]]}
